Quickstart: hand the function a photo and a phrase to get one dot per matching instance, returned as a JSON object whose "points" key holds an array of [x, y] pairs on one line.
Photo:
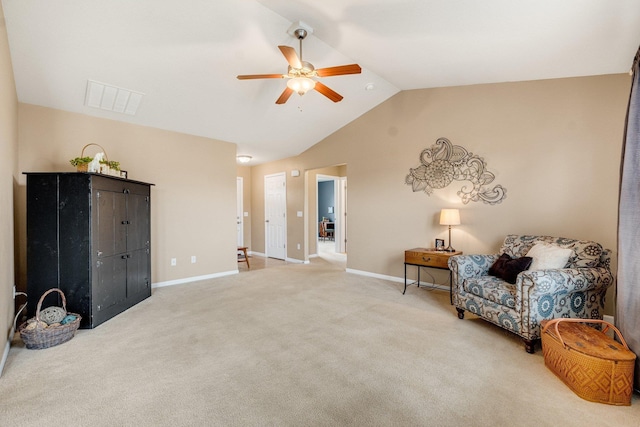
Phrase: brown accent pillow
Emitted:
{"points": [[508, 269]]}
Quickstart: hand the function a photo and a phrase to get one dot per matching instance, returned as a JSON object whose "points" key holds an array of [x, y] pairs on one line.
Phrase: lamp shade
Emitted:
{"points": [[301, 84], [449, 217]]}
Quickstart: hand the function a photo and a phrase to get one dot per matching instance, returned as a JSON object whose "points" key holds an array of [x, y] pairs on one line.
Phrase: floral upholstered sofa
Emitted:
{"points": [[577, 290]]}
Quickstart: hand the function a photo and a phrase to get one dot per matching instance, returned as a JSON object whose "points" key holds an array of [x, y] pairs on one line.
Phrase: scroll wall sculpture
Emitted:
{"points": [[444, 162]]}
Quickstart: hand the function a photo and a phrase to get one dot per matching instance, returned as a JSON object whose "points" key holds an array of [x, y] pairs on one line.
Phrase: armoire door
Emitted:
{"points": [[138, 221], [110, 238], [111, 288], [138, 273]]}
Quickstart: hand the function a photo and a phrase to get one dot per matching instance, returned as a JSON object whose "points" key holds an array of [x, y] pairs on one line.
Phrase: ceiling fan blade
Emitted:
{"points": [[260, 76], [285, 95], [291, 55], [339, 70], [329, 93]]}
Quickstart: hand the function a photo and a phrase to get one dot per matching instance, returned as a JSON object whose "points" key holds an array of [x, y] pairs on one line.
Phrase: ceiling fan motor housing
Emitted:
{"points": [[306, 70]]}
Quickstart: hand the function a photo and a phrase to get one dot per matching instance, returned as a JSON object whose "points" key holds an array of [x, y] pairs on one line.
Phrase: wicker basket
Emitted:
{"points": [[84, 167], [40, 337], [596, 367]]}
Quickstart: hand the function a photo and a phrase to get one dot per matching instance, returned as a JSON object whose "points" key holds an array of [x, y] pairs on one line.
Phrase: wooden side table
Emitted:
{"points": [[242, 255], [423, 257]]}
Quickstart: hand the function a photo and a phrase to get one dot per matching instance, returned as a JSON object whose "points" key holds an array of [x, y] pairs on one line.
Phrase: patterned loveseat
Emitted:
{"points": [[578, 290]]}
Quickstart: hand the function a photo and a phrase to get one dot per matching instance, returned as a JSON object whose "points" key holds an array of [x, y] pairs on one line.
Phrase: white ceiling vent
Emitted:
{"points": [[111, 98]]}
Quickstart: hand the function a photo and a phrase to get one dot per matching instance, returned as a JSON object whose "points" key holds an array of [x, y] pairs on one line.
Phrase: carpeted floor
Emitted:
{"points": [[292, 345]]}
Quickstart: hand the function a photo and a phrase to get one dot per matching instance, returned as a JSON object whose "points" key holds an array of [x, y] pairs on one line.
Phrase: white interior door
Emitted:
{"points": [[239, 211], [275, 206]]}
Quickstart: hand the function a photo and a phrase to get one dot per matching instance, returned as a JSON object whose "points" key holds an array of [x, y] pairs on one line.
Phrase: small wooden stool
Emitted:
{"points": [[242, 256]]}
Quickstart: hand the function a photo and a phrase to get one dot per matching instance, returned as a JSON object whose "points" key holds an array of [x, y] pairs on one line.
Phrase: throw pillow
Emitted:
{"points": [[508, 269], [546, 256]]}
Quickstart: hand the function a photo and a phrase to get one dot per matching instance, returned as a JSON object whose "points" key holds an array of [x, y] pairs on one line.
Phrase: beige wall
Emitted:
{"points": [[8, 177], [553, 144], [295, 203], [193, 202], [300, 230]]}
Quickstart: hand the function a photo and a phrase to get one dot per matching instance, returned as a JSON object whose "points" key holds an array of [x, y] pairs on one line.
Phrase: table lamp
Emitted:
{"points": [[449, 217]]}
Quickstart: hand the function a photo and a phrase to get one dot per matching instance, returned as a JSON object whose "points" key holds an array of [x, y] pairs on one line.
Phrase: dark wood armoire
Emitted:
{"points": [[90, 236]]}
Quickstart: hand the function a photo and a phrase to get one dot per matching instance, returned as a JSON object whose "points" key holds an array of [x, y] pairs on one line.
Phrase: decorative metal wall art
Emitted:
{"points": [[444, 162]]}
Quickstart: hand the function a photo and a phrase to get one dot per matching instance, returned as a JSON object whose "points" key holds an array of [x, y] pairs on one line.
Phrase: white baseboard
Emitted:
{"points": [[287, 259], [296, 261], [394, 279], [194, 279]]}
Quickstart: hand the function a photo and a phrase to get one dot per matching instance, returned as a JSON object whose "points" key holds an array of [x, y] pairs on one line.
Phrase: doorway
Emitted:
{"points": [[331, 220], [275, 214]]}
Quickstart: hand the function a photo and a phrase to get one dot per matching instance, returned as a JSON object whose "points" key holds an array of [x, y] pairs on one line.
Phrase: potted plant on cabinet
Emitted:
{"points": [[98, 164]]}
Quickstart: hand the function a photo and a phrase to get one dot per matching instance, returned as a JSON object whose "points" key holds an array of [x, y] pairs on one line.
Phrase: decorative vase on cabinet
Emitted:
{"points": [[90, 236]]}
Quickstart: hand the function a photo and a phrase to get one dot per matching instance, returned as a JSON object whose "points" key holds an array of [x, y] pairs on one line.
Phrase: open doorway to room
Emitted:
{"points": [[328, 213]]}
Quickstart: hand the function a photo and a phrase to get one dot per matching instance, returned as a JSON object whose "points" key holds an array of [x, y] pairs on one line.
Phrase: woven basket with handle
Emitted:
{"points": [[84, 167], [40, 337], [596, 367]]}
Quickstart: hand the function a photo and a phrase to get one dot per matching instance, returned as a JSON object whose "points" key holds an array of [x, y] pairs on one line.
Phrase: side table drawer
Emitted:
{"points": [[427, 259]]}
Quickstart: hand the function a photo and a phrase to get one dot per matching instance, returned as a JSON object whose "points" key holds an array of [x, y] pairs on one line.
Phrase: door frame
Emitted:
{"points": [[341, 212], [266, 224], [240, 210], [339, 218]]}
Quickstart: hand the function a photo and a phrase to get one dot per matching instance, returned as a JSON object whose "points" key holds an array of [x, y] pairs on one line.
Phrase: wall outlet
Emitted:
{"points": [[298, 246], [193, 259], [173, 262]]}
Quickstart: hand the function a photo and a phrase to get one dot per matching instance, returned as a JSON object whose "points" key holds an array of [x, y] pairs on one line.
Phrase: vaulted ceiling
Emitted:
{"points": [[184, 56]]}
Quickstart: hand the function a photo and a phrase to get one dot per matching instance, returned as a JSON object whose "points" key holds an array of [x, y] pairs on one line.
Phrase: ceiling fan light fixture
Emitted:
{"points": [[301, 85]]}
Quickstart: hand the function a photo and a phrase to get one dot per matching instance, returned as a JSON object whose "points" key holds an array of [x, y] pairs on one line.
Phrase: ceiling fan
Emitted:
{"points": [[301, 73]]}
